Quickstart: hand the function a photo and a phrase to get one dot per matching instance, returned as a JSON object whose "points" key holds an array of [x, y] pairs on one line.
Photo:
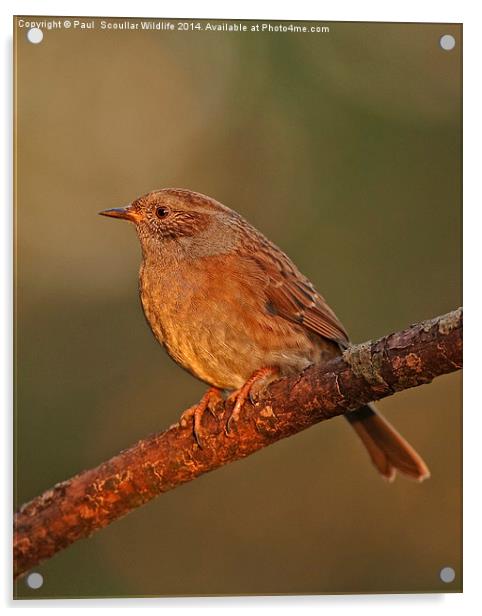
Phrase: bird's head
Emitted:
{"points": [[179, 219]]}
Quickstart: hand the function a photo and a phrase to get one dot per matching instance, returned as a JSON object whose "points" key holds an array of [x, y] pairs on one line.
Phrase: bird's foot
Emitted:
{"points": [[240, 396], [194, 413]]}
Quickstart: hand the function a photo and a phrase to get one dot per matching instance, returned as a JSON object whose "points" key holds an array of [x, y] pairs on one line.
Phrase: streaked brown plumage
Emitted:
{"points": [[227, 304]]}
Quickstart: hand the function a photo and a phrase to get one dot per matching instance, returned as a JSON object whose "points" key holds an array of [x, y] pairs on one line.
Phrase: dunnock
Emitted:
{"points": [[231, 308]]}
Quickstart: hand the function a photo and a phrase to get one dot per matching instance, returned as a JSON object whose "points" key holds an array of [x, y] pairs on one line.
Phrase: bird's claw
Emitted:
{"points": [[233, 418], [195, 412], [246, 392]]}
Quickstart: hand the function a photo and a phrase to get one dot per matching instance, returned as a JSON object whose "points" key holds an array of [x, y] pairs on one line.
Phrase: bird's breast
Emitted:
{"points": [[213, 320]]}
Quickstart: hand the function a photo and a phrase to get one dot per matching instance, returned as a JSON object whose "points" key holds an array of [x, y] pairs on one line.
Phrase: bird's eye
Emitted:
{"points": [[162, 212]]}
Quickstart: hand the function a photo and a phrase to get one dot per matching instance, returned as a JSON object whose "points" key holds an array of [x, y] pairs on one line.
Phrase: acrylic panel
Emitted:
{"points": [[341, 143]]}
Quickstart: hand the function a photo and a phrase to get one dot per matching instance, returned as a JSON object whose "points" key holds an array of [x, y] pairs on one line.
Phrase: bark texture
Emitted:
{"points": [[76, 508]]}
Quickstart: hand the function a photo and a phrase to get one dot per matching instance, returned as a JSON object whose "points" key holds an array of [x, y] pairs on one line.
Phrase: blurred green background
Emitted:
{"points": [[345, 149]]}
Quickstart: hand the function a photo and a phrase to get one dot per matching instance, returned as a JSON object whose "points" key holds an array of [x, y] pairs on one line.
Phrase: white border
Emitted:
{"points": [[347, 10]]}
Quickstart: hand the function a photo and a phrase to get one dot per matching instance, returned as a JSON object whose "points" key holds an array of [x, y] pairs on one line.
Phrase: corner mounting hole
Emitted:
{"points": [[447, 575], [35, 581], [35, 35], [447, 42]]}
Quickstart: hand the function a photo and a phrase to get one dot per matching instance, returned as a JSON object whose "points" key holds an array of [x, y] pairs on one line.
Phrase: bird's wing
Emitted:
{"points": [[291, 295]]}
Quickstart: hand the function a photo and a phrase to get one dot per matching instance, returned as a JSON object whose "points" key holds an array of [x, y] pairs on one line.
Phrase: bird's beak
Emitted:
{"points": [[127, 213]]}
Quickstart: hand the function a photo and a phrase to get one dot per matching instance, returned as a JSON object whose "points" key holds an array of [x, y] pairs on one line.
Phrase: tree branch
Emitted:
{"points": [[78, 507]]}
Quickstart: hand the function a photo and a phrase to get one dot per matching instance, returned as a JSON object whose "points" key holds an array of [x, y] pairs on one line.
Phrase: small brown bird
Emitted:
{"points": [[231, 308]]}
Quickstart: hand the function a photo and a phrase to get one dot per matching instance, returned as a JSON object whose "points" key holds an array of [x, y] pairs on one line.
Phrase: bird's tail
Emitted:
{"points": [[388, 450]]}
